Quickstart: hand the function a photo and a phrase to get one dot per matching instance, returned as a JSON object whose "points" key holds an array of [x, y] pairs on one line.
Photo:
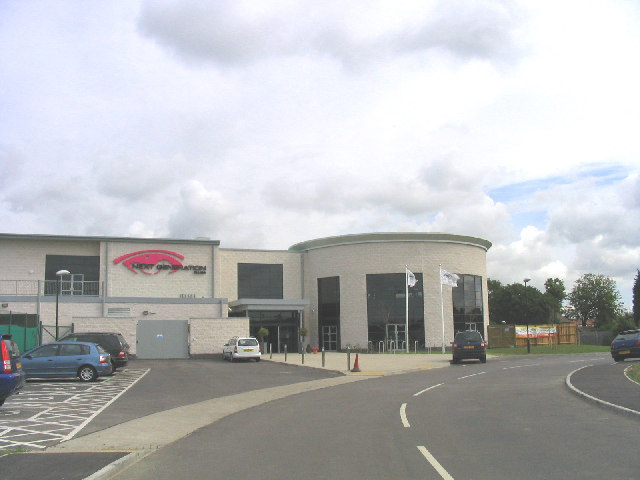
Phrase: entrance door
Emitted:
{"points": [[330, 337], [162, 339], [396, 336]]}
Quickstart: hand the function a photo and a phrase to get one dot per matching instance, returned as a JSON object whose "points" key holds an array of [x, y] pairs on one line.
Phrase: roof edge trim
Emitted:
{"points": [[390, 237]]}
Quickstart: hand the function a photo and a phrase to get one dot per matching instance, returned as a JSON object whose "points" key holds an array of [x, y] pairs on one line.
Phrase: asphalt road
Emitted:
{"points": [[509, 418]]}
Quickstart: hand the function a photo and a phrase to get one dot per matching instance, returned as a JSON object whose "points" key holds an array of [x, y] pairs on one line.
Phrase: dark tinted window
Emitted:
{"points": [[628, 336], [329, 301], [110, 342], [468, 337], [247, 342], [257, 280], [386, 308], [467, 303], [89, 266]]}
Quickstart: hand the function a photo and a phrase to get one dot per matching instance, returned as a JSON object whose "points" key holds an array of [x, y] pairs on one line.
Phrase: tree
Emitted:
{"points": [[594, 297], [636, 299], [515, 304], [555, 294]]}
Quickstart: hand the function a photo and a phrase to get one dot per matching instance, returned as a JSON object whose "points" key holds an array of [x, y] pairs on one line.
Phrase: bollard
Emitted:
{"points": [[303, 356], [285, 352], [348, 358], [322, 357], [270, 351]]}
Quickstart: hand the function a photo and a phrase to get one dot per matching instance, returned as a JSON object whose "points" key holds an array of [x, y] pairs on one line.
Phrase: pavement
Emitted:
{"points": [[103, 453]]}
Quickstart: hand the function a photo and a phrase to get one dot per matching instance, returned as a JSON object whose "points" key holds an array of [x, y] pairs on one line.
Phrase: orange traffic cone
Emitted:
{"points": [[356, 366]]}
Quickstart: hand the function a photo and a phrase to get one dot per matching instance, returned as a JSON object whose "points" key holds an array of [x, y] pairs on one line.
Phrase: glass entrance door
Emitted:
{"points": [[330, 337]]}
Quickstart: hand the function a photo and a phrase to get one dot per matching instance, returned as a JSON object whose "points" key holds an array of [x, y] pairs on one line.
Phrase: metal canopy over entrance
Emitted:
{"points": [[283, 319]]}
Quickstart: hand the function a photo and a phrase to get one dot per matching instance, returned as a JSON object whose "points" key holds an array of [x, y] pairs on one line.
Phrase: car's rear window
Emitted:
{"points": [[627, 336], [468, 337], [247, 342]]}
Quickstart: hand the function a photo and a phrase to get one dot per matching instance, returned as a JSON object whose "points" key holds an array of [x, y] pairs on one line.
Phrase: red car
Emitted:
{"points": [[11, 374]]}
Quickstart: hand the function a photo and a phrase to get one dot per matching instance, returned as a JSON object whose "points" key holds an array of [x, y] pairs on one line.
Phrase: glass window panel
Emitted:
{"points": [[256, 280]]}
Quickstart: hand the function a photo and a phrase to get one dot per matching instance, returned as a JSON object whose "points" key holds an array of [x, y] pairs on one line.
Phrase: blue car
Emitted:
{"points": [[84, 360], [11, 374], [626, 345]]}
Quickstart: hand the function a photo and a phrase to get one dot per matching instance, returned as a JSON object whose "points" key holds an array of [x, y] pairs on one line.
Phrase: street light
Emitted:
{"points": [[526, 308], [59, 275]]}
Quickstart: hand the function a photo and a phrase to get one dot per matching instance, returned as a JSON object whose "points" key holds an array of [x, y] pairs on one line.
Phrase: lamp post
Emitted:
{"points": [[59, 275], [526, 316]]}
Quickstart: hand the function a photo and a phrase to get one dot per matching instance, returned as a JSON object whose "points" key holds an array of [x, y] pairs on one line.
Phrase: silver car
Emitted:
{"points": [[242, 347]]}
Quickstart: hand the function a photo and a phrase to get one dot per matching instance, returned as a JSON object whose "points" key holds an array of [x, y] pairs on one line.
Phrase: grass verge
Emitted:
{"points": [[634, 373]]}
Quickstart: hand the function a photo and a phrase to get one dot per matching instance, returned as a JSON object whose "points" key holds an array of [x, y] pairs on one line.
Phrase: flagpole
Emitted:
{"points": [[442, 304], [406, 306]]}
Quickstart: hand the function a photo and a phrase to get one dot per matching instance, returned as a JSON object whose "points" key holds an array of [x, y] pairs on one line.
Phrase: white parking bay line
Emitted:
{"points": [[434, 463], [83, 424]]}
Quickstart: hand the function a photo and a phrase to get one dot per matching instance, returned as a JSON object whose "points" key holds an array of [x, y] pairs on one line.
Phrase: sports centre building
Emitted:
{"points": [[174, 298]]}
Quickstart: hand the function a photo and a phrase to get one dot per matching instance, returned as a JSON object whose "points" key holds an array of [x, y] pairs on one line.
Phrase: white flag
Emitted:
{"points": [[411, 278], [447, 278]]}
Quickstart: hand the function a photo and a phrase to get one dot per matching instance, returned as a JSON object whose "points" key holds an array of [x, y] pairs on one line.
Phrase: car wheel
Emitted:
{"points": [[454, 360], [87, 373], [618, 359], [258, 359], [483, 359], [1, 401]]}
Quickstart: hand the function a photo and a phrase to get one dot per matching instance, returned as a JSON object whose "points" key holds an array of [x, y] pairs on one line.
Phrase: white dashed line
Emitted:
{"points": [[472, 375], [427, 389]]}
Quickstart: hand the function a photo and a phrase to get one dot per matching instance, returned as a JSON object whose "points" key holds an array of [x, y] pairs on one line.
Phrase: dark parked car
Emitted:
{"points": [[87, 361], [11, 374], [113, 343], [626, 345], [469, 345]]}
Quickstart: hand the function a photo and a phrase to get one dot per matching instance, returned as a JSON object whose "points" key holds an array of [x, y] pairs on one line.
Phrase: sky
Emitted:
{"points": [[267, 123]]}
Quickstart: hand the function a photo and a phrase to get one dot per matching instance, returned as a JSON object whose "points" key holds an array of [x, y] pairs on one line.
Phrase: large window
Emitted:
{"points": [[468, 312], [257, 280], [83, 278], [329, 313], [386, 310]]}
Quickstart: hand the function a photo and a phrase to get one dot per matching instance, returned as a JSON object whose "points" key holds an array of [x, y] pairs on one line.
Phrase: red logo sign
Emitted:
{"points": [[151, 262]]}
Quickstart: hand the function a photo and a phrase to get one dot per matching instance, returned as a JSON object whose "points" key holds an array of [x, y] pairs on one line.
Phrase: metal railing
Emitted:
{"points": [[20, 288]]}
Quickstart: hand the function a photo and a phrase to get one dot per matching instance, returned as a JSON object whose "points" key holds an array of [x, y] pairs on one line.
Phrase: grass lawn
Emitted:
{"points": [[634, 373], [556, 349]]}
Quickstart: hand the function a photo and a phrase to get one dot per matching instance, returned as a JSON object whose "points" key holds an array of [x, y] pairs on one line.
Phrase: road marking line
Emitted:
{"points": [[403, 415], [427, 389], [472, 375], [592, 398], [434, 463], [521, 366]]}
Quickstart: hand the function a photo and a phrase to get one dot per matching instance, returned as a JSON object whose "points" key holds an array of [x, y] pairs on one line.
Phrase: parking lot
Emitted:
{"points": [[48, 412]]}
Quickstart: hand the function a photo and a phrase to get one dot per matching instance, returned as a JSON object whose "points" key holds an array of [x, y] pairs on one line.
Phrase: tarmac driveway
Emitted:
{"points": [[174, 383]]}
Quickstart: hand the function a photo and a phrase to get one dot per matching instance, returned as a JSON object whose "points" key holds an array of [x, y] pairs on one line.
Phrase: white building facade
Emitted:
{"points": [[174, 298]]}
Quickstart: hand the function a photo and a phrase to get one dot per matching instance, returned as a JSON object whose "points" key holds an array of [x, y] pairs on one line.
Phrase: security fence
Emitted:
{"points": [[24, 328]]}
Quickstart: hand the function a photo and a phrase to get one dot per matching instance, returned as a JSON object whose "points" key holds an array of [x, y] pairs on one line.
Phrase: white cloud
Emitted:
{"points": [[263, 124]]}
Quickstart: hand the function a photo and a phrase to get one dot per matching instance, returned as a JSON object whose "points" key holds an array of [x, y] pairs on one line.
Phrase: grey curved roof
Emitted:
{"points": [[390, 237]]}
